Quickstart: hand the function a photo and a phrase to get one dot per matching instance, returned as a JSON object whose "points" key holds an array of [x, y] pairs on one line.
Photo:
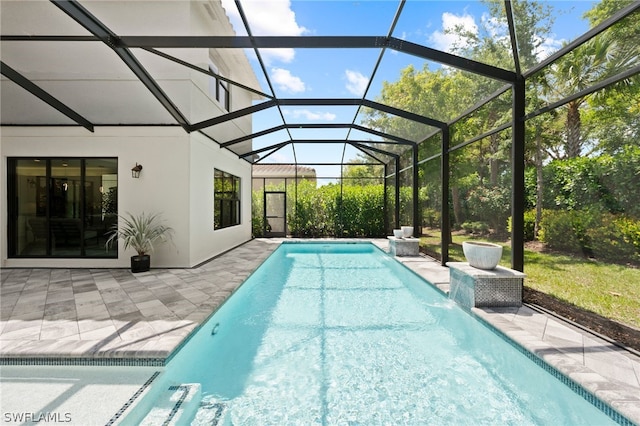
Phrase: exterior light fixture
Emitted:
{"points": [[135, 171]]}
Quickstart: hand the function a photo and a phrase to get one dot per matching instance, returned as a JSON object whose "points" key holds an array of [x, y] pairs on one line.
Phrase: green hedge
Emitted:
{"points": [[329, 211], [607, 183], [314, 211], [602, 235], [361, 213]]}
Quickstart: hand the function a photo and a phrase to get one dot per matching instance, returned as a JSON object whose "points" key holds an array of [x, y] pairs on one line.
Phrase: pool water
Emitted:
{"points": [[342, 334]]}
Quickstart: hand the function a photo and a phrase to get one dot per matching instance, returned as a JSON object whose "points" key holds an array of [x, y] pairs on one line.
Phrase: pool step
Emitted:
{"points": [[212, 412], [177, 405]]}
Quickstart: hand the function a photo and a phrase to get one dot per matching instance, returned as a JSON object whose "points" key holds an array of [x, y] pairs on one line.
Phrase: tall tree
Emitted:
{"points": [[615, 111], [491, 44], [445, 93], [362, 171], [574, 72]]}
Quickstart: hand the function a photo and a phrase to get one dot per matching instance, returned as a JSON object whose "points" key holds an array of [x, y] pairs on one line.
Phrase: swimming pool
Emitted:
{"points": [[344, 334]]}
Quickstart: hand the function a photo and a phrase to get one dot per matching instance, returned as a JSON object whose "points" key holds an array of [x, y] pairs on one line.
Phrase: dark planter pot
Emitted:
{"points": [[140, 263]]}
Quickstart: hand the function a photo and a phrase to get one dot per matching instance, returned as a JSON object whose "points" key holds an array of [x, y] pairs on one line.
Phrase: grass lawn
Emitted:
{"points": [[612, 291]]}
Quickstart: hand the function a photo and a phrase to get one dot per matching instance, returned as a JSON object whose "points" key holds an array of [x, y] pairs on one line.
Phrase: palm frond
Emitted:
{"points": [[140, 232]]}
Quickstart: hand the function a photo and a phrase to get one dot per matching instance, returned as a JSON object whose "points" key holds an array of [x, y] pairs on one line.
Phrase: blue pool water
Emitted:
{"points": [[342, 334]]}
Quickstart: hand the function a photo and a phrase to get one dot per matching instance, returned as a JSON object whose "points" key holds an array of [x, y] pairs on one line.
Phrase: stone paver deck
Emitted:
{"points": [[114, 317], [81, 316]]}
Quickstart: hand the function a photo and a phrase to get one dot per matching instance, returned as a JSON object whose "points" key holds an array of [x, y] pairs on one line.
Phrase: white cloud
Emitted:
{"points": [[356, 82], [267, 18], [494, 26], [309, 115], [286, 81], [548, 46], [446, 41]]}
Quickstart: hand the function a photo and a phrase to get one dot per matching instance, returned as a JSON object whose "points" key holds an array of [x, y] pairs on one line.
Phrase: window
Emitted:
{"points": [[219, 89], [61, 207], [226, 199]]}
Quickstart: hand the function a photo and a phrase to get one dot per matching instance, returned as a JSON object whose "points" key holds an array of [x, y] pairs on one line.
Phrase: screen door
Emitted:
{"points": [[275, 214]]}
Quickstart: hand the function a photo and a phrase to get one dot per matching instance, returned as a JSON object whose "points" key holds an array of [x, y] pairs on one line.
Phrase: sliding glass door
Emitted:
{"points": [[61, 207]]}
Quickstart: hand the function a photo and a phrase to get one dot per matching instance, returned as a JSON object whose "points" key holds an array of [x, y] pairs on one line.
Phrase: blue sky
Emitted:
{"points": [[313, 73]]}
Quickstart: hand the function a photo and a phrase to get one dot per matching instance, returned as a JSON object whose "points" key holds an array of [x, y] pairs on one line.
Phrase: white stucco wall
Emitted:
{"points": [[162, 186], [207, 242], [176, 180]]}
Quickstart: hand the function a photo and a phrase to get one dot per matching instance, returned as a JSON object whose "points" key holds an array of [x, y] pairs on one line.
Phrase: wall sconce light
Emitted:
{"points": [[135, 171]]}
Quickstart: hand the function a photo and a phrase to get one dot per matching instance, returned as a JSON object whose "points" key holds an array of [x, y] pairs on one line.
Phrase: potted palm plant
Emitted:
{"points": [[140, 232]]}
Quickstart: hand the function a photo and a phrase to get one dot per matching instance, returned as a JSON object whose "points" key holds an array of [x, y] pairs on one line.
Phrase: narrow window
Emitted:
{"points": [[219, 89], [223, 94], [226, 200]]}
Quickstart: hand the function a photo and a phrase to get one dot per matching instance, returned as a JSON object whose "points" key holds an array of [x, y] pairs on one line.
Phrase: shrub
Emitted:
{"points": [[619, 174], [257, 226], [603, 235], [353, 211], [257, 213], [313, 216], [576, 184], [529, 225], [630, 230], [431, 217], [607, 239], [476, 228], [359, 211], [562, 230], [606, 182], [490, 205]]}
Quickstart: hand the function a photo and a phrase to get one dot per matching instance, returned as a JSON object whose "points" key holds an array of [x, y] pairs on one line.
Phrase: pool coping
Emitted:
{"points": [[582, 380], [619, 401]]}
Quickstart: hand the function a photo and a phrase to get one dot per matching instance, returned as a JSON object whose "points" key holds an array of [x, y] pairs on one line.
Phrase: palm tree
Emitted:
{"points": [[574, 72]]}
